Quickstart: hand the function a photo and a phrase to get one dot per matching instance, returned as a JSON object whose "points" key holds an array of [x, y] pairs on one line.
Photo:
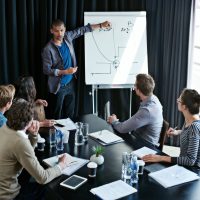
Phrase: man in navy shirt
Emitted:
{"points": [[59, 63]]}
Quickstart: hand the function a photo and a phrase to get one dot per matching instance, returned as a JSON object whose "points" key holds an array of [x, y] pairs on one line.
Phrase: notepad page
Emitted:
{"points": [[52, 161], [73, 163], [114, 190], [174, 175], [106, 136], [143, 152], [68, 123]]}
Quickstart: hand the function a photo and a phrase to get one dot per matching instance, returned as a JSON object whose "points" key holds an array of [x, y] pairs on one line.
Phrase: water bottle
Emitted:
{"points": [[59, 140], [127, 170], [135, 168], [79, 139]]}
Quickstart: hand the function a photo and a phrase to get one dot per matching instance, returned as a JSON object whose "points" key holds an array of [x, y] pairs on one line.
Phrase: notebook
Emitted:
{"points": [[67, 123], [114, 190], [143, 152], [73, 164], [105, 137], [174, 175]]}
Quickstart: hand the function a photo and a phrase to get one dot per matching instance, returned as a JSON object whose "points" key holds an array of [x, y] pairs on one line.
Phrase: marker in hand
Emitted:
{"points": [[171, 131], [175, 127]]}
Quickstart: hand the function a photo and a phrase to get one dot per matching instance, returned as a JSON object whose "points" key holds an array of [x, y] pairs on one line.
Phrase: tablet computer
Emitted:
{"points": [[73, 182]]}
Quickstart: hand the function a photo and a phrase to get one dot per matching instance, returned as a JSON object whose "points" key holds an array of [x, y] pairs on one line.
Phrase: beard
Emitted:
{"points": [[60, 38]]}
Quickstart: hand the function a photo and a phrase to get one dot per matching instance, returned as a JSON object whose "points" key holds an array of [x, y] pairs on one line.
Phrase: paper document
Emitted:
{"points": [[143, 152], [114, 190], [67, 123], [174, 175], [106, 137], [73, 164]]}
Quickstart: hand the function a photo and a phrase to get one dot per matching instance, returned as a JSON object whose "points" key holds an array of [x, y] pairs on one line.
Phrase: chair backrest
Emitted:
{"points": [[163, 132]]}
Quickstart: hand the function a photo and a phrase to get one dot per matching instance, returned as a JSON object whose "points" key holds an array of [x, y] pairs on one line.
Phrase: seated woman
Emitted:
{"points": [[188, 104], [25, 89], [17, 152]]}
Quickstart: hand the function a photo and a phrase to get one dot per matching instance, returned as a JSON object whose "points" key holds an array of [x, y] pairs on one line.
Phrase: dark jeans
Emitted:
{"points": [[65, 101]]}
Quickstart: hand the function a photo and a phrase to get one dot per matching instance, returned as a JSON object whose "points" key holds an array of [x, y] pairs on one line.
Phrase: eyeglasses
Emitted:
{"points": [[134, 85]]}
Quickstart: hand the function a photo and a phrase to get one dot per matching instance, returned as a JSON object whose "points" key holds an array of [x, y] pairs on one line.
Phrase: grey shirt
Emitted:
{"points": [[146, 123]]}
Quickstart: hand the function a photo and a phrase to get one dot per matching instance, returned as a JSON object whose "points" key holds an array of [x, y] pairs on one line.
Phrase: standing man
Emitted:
{"points": [[59, 63], [148, 120]]}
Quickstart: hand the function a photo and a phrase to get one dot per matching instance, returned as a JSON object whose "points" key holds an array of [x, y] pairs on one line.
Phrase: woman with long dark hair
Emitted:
{"points": [[25, 89], [188, 104]]}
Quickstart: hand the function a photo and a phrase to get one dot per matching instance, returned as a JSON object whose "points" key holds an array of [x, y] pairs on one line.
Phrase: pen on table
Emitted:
{"points": [[100, 132], [72, 163]]}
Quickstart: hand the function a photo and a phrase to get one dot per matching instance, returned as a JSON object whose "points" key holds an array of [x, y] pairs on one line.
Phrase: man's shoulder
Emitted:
{"points": [[48, 46]]}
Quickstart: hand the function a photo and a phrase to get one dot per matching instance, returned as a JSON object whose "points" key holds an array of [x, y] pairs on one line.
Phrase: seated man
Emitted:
{"points": [[6, 96], [148, 120], [17, 152]]}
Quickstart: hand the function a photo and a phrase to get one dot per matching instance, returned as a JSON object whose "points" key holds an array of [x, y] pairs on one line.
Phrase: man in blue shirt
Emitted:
{"points": [[6, 96], [59, 63], [148, 120]]}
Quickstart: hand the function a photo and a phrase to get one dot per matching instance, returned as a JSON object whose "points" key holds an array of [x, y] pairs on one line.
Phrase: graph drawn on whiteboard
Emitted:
{"points": [[115, 55]]}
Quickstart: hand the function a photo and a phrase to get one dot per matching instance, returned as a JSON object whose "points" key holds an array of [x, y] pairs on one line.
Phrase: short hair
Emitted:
{"points": [[191, 99], [145, 83], [6, 94], [25, 88], [57, 22], [20, 114]]}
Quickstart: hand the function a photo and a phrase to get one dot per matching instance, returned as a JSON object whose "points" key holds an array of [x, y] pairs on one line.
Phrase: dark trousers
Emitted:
{"points": [[64, 102], [30, 189]]}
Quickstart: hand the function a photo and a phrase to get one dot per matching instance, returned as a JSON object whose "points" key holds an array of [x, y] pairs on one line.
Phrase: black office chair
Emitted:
{"points": [[163, 132]]}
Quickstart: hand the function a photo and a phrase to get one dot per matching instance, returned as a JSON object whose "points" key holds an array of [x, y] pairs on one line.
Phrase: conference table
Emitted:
{"points": [[111, 171]]}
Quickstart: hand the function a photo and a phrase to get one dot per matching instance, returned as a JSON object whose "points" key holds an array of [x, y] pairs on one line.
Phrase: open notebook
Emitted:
{"points": [[105, 137], [73, 165], [174, 175]]}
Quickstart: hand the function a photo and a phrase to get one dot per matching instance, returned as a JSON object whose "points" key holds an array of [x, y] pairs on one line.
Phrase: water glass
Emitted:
{"points": [[126, 166], [79, 140], [85, 131], [52, 137]]}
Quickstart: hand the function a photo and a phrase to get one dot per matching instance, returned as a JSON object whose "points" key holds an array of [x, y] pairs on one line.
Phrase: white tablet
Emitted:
{"points": [[73, 182]]}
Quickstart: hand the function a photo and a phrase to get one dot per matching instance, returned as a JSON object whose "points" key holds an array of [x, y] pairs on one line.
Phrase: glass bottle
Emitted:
{"points": [[124, 164], [79, 139], [135, 168]]}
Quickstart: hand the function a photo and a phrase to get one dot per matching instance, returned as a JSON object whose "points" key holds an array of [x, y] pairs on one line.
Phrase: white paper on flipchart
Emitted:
{"points": [[68, 123], [114, 190], [106, 137], [174, 175], [143, 152]]}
